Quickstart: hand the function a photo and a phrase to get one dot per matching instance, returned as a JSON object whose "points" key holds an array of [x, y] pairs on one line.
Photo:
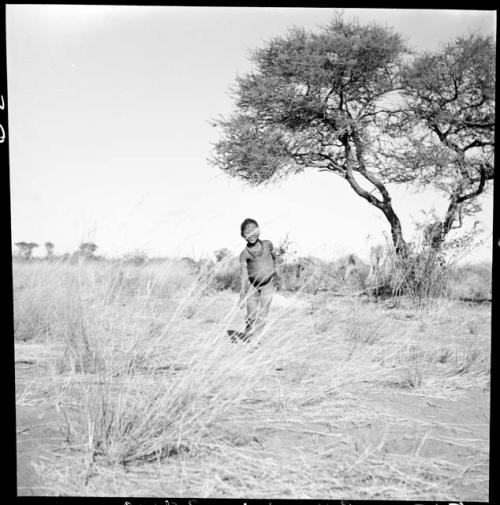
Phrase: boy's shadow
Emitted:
{"points": [[238, 336]]}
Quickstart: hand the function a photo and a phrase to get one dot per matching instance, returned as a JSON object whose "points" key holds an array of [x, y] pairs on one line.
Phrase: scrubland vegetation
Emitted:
{"points": [[128, 385], [369, 383]]}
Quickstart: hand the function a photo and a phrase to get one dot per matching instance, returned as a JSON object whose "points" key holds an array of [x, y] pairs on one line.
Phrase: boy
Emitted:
{"points": [[258, 263]]}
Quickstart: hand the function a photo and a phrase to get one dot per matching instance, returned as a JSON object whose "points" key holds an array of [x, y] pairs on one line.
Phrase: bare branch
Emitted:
{"points": [[479, 190]]}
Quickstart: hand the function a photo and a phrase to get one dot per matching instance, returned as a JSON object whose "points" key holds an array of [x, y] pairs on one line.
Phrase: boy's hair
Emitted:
{"points": [[246, 222]]}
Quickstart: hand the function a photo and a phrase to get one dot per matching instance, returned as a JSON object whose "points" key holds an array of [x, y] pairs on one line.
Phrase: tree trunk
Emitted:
{"points": [[396, 230], [436, 232], [384, 205]]}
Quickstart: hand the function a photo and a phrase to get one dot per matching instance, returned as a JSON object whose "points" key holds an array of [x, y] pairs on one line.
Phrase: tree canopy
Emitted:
{"points": [[352, 100], [87, 248], [445, 136], [49, 246], [26, 248]]}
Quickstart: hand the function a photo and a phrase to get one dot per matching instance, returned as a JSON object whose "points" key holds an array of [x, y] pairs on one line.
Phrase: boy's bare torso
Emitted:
{"points": [[259, 262]]}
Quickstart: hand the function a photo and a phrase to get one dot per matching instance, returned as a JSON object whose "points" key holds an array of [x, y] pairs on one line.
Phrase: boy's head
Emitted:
{"points": [[250, 230]]}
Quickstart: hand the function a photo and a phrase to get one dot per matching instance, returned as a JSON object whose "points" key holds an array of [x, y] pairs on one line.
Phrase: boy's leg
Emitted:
{"points": [[253, 301], [266, 295]]}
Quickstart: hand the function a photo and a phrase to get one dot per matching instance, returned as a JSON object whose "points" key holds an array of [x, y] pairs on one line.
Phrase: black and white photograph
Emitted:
{"points": [[252, 251]]}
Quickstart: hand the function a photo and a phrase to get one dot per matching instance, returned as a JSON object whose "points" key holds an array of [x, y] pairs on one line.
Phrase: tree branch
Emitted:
{"points": [[479, 125], [349, 176], [478, 143], [479, 190], [370, 176]]}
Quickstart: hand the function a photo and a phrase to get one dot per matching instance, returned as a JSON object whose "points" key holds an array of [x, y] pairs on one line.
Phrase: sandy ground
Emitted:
{"points": [[369, 425]]}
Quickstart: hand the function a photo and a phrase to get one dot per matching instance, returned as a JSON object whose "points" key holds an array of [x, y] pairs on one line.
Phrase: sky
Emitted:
{"points": [[109, 130]]}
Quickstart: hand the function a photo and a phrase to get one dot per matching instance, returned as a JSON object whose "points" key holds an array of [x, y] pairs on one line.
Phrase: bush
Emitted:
{"points": [[420, 274], [227, 274], [471, 282], [352, 273], [137, 257], [309, 275], [222, 254]]}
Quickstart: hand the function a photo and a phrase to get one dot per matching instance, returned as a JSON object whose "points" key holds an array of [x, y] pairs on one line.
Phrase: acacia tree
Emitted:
{"points": [[26, 249], [23, 249], [445, 136], [87, 249], [327, 100], [311, 103], [49, 246]]}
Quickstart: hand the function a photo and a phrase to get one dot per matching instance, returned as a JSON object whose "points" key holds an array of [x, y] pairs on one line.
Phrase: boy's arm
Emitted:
{"points": [[275, 257], [243, 275]]}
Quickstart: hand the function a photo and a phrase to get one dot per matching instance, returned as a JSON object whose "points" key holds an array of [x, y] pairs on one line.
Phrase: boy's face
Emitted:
{"points": [[251, 233]]}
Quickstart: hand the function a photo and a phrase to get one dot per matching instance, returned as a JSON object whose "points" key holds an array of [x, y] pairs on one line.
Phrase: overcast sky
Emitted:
{"points": [[109, 111]]}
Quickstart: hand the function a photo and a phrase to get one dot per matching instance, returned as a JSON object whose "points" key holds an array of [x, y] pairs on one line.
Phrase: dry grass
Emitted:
{"points": [[144, 383]]}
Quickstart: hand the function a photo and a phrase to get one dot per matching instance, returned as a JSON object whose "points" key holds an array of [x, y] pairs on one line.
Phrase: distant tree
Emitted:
{"points": [[26, 249], [23, 249], [221, 254], [49, 246], [31, 246], [87, 249]]}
